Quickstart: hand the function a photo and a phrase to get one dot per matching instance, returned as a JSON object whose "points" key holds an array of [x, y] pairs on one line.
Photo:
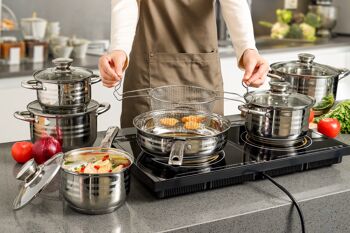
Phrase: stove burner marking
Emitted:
{"points": [[306, 142]]}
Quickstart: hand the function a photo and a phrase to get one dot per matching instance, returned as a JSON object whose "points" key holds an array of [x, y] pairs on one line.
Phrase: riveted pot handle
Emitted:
{"points": [[271, 75], [32, 84], [24, 116], [177, 153], [244, 109], [343, 73], [95, 79], [103, 107]]}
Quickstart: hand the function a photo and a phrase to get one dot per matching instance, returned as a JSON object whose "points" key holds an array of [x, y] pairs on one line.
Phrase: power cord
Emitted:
{"points": [[300, 212]]}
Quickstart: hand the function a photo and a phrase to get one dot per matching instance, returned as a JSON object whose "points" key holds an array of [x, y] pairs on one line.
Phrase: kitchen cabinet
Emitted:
{"points": [[14, 98]]}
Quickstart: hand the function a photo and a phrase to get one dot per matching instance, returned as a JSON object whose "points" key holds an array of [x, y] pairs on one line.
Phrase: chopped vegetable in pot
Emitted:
{"points": [[96, 163], [340, 112]]}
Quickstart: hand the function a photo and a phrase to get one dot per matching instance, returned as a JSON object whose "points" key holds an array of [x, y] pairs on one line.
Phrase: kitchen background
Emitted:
{"points": [[75, 15]]}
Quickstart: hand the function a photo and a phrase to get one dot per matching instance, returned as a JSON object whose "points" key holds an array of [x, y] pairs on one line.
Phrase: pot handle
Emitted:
{"points": [[95, 79], [271, 75], [32, 84], [177, 153], [102, 108], [343, 73], [244, 109], [24, 116]]}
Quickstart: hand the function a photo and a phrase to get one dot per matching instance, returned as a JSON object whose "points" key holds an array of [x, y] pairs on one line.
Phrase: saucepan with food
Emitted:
{"points": [[94, 180], [175, 134]]}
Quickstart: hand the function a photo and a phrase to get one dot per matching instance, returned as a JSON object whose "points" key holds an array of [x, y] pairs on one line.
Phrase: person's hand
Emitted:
{"points": [[112, 67], [256, 68]]}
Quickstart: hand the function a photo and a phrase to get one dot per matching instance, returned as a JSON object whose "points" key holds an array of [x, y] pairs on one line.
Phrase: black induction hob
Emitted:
{"points": [[241, 160]]}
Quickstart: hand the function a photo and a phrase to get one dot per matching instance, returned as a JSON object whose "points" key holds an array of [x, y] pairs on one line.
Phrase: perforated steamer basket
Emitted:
{"points": [[179, 96]]}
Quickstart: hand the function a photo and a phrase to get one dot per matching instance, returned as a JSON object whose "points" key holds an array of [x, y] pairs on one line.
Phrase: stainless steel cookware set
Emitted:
{"points": [[180, 126], [63, 108], [85, 193]]}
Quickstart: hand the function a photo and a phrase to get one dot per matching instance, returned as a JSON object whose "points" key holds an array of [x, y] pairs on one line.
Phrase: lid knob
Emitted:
{"points": [[62, 64], [306, 57], [279, 87]]}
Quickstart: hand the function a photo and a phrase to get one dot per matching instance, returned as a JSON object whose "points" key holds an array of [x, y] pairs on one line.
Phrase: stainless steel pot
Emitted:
{"points": [[277, 117], [312, 79], [176, 142], [85, 193], [63, 86], [73, 130]]}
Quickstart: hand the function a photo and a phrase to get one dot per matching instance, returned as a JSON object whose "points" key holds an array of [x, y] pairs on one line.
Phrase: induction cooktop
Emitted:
{"points": [[241, 160]]}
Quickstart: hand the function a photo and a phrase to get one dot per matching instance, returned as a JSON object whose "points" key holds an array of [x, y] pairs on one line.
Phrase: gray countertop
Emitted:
{"points": [[258, 206], [264, 45], [27, 69], [267, 46]]}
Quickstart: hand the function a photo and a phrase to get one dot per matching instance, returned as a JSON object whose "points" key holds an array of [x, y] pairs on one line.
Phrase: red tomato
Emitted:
{"points": [[329, 127], [312, 115], [22, 151]]}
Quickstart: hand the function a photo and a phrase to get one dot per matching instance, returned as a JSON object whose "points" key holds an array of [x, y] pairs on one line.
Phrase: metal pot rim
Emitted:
{"points": [[313, 100], [276, 65], [41, 112], [126, 154], [35, 74]]}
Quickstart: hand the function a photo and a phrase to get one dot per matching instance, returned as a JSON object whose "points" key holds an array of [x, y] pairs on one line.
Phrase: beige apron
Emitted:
{"points": [[175, 43]]}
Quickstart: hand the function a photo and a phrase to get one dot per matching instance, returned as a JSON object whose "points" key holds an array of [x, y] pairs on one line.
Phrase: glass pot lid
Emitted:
{"points": [[304, 67], [35, 178], [279, 96], [63, 72]]}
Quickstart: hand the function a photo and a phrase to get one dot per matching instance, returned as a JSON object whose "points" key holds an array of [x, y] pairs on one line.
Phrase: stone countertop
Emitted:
{"points": [[27, 69], [268, 46], [324, 195]]}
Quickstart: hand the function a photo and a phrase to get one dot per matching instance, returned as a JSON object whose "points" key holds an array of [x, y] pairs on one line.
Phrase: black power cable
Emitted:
{"points": [[300, 212]]}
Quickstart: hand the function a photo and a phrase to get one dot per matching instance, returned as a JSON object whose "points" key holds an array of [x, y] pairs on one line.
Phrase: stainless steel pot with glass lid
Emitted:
{"points": [[94, 180], [312, 79], [63, 86], [277, 117]]}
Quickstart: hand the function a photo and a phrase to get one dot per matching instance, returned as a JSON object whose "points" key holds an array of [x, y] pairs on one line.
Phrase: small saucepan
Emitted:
{"points": [[63, 86], [94, 180]]}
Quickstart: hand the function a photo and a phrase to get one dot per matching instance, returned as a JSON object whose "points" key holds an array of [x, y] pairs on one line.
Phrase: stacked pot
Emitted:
{"points": [[64, 108]]}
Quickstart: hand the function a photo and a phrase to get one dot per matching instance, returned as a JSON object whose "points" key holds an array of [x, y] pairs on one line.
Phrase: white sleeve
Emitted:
{"points": [[239, 22], [124, 20]]}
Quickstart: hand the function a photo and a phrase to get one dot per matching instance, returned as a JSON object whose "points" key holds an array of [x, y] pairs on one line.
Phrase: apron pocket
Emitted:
{"points": [[200, 69]]}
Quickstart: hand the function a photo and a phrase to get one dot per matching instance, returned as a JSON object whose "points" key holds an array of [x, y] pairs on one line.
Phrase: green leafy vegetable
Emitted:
{"points": [[284, 16], [313, 20], [295, 32], [326, 102], [340, 112], [68, 162]]}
